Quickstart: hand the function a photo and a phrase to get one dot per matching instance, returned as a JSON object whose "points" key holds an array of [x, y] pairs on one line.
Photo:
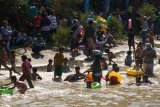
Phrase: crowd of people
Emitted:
{"points": [[44, 24]]}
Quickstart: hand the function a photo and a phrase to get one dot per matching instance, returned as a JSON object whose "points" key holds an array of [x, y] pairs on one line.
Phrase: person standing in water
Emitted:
{"points": [[26, 69], [97, 69], [58, 63], [148, 55]]}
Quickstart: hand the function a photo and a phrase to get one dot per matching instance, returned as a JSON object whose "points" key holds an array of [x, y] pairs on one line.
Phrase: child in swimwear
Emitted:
{"points": [[110, 55], [75, 77], [113, 79], [137, 66], [104, 64], [22, 87], [113, 69], [65, 66], [34, 75], [13, 65], [50, 65], [128, 59]]}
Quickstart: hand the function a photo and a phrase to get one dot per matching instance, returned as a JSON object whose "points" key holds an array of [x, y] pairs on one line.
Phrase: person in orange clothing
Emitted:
{"points": [[88, 79], [58, 63]]}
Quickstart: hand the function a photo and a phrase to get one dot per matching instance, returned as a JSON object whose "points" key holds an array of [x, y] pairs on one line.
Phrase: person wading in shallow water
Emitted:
{"points": [[148, 59], [26, 69]]}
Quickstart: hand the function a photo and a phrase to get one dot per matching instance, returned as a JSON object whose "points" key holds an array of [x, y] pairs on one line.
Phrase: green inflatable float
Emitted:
{"points": [[5, 90], [95, 85]]}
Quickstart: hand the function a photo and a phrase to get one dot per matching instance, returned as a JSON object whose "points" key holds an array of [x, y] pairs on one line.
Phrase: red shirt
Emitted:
{"points": [[37, 21], [26, 68]]}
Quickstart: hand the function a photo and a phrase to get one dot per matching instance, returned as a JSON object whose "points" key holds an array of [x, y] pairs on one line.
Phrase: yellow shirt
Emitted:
{"points": [[58, 59]]}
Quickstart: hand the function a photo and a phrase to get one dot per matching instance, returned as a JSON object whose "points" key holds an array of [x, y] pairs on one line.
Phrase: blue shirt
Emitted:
{"points": [[6, 31]]}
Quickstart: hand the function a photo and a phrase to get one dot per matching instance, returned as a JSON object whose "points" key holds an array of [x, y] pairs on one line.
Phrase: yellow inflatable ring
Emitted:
{"points": [[133, 72], [115, 74]]}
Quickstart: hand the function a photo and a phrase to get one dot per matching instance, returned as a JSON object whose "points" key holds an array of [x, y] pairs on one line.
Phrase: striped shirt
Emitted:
{"points": [[53, 21]]}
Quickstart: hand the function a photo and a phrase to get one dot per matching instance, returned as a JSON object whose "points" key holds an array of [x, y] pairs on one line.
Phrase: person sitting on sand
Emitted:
{"points": [[21, 86], [35, 75], [128, 59], [50, 65], [58, 63], [110, 55], [75, 77]]}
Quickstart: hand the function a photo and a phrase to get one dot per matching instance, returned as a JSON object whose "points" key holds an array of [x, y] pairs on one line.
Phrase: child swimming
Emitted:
{"points": [[35, 75], [50, 65], [75, 77], [22, 87]]}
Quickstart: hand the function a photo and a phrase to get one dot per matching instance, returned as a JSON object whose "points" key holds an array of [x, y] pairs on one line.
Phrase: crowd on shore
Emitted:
{"points": [[91, 38]]}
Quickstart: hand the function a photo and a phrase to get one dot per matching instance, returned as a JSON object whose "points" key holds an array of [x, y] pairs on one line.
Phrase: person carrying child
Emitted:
{"points": [[58, 63], [50, 65], [22, 87], [35, 75], [128, 59], [110, 55], [13, 65]]}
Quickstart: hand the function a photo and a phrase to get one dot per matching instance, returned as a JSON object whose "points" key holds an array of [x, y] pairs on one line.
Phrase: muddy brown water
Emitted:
{"points": [[48, 93]]}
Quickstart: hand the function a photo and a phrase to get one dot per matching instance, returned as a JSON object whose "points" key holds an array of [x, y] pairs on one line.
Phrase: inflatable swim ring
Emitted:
{"points": [[95, 85], [115, 74], [4, 90], [133, 72]]}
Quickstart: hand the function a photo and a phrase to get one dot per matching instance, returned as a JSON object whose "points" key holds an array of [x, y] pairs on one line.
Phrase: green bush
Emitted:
{"points": [[146, 10], [62, 37], [115, 24]]}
